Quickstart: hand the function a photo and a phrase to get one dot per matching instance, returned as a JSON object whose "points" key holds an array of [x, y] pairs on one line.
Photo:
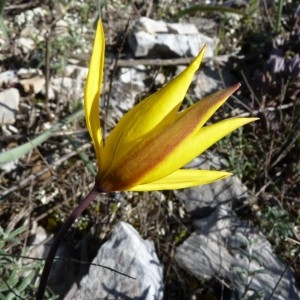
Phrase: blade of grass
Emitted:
{"points": [[17, 152], [2, 24], [88, 163]]}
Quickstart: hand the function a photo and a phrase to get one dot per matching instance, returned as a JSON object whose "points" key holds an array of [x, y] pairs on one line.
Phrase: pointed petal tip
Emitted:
{"points": [[198, 59], [235, 87], [249, 120], [203, 48], [227, 174]]}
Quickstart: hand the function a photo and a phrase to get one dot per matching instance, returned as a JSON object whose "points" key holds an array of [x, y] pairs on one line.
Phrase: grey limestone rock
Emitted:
{"points": [[152, 38], [225, 247], [129, 254]]}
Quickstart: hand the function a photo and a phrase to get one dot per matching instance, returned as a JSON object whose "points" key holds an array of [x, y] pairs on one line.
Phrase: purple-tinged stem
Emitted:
{"points": [[58, 238]]}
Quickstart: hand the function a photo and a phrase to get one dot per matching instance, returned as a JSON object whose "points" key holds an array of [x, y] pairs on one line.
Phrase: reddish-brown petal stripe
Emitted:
{"points": [[150, 153]]}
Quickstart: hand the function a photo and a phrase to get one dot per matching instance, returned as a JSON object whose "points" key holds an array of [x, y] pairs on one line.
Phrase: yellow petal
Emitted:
{"points": [[155, 111], [93, 89], [183, 179], [145, 161], [193, 146], [155, 156]]}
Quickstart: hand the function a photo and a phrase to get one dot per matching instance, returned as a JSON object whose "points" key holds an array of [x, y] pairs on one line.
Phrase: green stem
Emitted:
{"points": [[58, 238]]}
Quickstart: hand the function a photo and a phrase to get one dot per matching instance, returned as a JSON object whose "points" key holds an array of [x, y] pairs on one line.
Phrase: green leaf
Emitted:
{"points": [[2, 4], [26, 281], [11, 235], [2, 24], [83, 156], [242, 273]]}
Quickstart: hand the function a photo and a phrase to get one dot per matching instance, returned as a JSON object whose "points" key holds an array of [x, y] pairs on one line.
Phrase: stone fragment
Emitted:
{"points": [[25, 73], [26, 44], [207, 81], [9, 106], [129, 254], [151, 26], [181, 28], [77, 72], [124, 92], [32, 85], [65, 88], [8, 78], [155, 39], [8, 167]]}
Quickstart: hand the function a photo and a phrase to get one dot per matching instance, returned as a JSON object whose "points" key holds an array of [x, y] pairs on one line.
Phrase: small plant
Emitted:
{"points": [[247, 274], [237, 151], [276, 223], [17, 273]]}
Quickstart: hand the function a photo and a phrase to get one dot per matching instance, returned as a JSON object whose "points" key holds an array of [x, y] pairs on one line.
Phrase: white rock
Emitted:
{"points": [[25, 73], [124, 93], [181, 28], [207, 80], [65, 88], [128, 253], [12, 129], [51, 93], [33, 85], [181, 40], [62, 83], [134, 76], [61, 28], [9, 105], [8, 167], [152, 26], [8, 77], [39, 248], [26, 44], [77, 72], [143, 44]]}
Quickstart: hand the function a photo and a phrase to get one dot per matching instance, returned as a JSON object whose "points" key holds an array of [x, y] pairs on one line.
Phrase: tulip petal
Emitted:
{"points": [[150, 163], [193, 146], [93, 89], [155, 111], [163, 151], [183, 179]]}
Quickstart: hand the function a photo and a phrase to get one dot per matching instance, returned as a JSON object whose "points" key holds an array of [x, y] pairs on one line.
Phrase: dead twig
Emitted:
{"points": [[84, 58]]}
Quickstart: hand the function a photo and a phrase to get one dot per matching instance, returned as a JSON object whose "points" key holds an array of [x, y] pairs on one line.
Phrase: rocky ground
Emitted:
{"points": [[237, 238]]}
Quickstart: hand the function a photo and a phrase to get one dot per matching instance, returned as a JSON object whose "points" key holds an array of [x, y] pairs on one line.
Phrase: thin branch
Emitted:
{"points": [[152, 62]]}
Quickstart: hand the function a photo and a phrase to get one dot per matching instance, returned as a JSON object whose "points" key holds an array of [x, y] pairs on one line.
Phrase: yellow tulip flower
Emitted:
{"points": [[153, 141]]}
